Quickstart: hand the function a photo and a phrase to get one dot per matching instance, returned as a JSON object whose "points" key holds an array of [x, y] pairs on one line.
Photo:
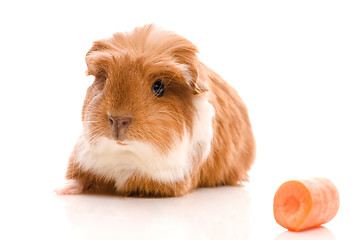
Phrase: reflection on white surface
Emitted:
{"points": [[321, 233], [218, 213]]}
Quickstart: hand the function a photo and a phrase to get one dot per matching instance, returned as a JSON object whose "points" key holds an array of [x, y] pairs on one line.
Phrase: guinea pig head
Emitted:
{"points": [[143, 89]]}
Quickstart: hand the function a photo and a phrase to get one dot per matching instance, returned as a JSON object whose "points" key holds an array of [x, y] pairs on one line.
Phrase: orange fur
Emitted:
{"points": [[125, 67]]}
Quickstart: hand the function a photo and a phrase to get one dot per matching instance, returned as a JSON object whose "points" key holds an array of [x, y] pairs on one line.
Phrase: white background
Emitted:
{"points": [[296, 64]]}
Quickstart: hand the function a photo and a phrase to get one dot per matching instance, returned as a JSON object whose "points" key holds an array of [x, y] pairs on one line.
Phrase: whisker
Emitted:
{"points": [[171, 115], [94, 138], [90, 121], [95, 130], [160, 143], [170, 130]]}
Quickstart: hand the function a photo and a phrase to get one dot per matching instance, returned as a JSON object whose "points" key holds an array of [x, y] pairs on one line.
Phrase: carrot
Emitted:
{"points": [[303, 204]]}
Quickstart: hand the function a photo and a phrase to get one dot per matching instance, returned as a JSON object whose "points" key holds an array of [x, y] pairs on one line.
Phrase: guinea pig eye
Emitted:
{"points": [[158, 88]]}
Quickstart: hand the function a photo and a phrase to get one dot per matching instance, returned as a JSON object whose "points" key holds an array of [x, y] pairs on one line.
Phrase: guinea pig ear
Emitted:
{"points": [[185, 54], [198, 85], [98, 59], [194, 78]]}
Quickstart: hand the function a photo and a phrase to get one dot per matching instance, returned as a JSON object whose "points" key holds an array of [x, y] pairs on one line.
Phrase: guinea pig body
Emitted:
{"points": [[157, 121]]}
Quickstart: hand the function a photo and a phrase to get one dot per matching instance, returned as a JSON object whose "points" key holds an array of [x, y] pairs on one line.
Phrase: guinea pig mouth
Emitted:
{"points": [[121, 143]]}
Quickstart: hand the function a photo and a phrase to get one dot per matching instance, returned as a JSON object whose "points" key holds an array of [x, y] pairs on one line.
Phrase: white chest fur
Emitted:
{"points": [[118, 163]]}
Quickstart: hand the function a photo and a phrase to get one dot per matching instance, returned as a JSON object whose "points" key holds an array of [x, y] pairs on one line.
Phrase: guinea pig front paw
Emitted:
{"points": [[70, 187]]}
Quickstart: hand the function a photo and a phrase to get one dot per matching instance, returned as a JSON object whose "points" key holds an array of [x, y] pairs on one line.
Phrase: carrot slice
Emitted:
{"points": [[303, 204]]}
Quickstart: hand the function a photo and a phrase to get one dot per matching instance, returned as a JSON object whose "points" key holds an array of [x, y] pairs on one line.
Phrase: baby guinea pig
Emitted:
{"points": [[157, 122]]}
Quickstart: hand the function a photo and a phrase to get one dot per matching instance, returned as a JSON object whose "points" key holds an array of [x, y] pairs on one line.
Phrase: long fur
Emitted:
{"points": [[197, 135]]}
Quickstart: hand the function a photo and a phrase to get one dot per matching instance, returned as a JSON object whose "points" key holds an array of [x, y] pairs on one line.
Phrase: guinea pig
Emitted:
{"points": [[157, 122]]}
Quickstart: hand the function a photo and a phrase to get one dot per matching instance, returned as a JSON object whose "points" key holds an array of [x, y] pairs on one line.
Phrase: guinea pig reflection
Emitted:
{"points": [[202, 215]]}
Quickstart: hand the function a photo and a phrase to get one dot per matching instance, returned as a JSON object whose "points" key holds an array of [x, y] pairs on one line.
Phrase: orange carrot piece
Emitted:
{"points": [[303, 204]]}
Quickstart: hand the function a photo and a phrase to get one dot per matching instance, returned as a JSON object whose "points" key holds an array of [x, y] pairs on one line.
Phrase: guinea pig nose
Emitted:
{"points": [[119, 123], [124, 122]]}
